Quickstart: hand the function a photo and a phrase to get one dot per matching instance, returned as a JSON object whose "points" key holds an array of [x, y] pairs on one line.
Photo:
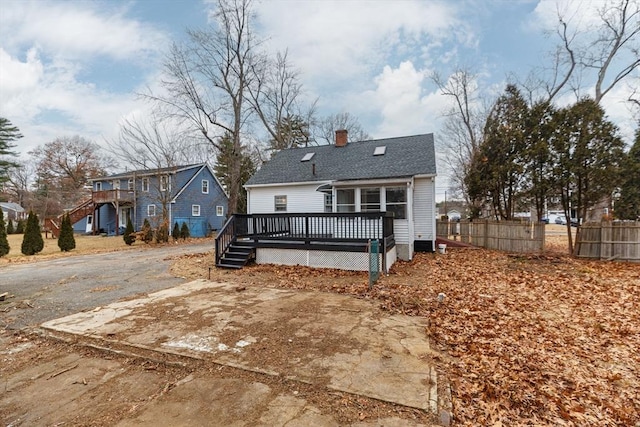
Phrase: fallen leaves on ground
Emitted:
{"points": [[531, 339]]}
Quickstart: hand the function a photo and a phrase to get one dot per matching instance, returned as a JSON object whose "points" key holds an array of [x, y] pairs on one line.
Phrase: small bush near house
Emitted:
{"points": [[147, 231], [184, 231], [20, 226], [66, 241], [10, 229], [162, 233], [32, 242], [176, 231], [4, 243], [128, 235]]}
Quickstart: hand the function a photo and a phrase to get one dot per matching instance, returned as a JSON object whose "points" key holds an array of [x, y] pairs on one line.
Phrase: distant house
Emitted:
{"points": [[12, 211], [189, 194], [320, 205]]}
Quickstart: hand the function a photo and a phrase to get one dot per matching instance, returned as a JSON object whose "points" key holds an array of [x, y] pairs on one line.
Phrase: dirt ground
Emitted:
{"points": [[523, 339]]}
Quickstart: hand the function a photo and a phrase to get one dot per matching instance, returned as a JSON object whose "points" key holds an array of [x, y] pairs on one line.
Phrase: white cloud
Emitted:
{"points": [[76, 29], [340, 41]]}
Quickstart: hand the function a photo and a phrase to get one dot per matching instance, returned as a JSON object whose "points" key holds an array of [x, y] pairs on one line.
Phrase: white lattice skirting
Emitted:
{"points": [[358, 261]]}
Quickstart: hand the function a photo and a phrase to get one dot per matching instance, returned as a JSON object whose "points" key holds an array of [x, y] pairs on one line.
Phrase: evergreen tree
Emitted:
{"points": [[227, 157], [10, 229], [4, 243], [128, 235], [162, 234], [147, 231], [66, 241], [628, 206], [32, 242], [20, 226], [184, 231], [176, 231], [8, 134]]}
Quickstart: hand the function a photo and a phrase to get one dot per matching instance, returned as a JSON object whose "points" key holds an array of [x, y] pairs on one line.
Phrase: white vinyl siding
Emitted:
{"points": [[423, 209], [300, 198]]}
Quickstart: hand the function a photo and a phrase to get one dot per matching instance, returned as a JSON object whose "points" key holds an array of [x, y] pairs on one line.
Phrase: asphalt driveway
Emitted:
{"points": [[49, 289]]}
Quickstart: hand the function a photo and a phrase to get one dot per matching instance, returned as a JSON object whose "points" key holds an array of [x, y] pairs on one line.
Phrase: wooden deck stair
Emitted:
{"points": [[237, 255], [76, 214]]}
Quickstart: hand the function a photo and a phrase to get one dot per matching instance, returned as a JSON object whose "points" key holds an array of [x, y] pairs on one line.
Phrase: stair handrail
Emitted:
{"points": [[226, 236]]}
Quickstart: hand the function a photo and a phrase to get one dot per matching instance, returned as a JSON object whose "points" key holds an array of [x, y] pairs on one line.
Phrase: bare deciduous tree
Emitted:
{"points": [[462, 129], [325, 130]]}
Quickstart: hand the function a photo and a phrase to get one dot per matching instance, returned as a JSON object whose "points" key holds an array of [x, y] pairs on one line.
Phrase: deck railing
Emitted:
{"points": [[328, 231], [109, 196]]}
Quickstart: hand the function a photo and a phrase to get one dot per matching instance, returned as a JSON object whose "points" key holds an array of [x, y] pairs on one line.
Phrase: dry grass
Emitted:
{"points": [[84, 245]]}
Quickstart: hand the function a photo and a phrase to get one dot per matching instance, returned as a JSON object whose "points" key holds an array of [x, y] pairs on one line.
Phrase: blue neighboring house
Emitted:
{"points": [[187, 194]]}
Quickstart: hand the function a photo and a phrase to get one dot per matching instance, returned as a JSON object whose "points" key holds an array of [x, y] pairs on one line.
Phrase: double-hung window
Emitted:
{"points": [[151, 210], [397, 201], [370, 199], [145, 185], [280, 203], [195, 210], [346, 200], [205, 186]]}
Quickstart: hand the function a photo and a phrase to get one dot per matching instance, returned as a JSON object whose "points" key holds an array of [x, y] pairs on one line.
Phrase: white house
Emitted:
{"points": [[392, 175]]}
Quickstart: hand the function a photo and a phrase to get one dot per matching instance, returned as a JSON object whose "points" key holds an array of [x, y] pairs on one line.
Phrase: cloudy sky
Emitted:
{"points": [[73, 67]]}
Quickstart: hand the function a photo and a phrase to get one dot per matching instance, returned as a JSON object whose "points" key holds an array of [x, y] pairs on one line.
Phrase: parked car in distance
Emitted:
{"points": [[561, 220], [545, 220]]}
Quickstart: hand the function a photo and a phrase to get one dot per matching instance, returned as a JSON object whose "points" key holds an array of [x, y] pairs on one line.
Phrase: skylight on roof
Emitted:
{"points": [[379, 151], [307, 157]]}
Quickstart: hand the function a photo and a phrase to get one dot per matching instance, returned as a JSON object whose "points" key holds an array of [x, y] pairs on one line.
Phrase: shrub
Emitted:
{"points": [[32, 242], [128, 235], [10, 229], [184, 231], [66, 241], [4, 242], [147, 231], [176, 231], [20, 226], [162, 233]]}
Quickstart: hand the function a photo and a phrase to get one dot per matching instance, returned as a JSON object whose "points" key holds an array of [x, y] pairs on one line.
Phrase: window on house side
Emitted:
{"points": [[164, 183], [145, 185], [280, 203], [130, 185], [328, 202], [220, 210], [116, 184], [346, 200], [397, 201], [369, 199], [195, 210], [98, 186], [151, 210], [205, 186]]}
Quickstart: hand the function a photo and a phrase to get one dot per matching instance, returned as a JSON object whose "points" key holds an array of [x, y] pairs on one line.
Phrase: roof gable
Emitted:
{"points": [[148, 172], [403, 157]]}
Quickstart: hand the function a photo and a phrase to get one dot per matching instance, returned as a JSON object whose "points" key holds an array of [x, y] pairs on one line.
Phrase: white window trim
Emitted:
{"points": [[219, 210], [151, 210], [195, 210], [205, 182], [165, 183], [98, 186], [116, 184], [130, 184], [145, 185]]}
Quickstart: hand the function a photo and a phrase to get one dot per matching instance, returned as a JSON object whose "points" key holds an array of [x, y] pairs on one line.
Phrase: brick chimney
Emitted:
{"points": [[341, 138]]}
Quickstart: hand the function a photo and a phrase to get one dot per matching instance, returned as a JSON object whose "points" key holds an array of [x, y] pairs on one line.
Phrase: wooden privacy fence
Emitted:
{"points": [[508, 236], [610, 240]]}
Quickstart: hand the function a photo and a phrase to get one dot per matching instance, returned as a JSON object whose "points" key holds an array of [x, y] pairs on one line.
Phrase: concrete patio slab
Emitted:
{"points": [[330, 340]]}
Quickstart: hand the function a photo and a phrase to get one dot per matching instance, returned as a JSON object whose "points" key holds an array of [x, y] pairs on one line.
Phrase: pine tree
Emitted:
{"points": [[32, 242], [147, 231], [128, 235], [66, 241], [10, 229], [4, 243], [176, 231], [20, 226], [184, 231]]}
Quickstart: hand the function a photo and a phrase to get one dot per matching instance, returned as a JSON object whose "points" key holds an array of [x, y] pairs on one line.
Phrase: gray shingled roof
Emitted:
{"points": [[404, 157]]}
